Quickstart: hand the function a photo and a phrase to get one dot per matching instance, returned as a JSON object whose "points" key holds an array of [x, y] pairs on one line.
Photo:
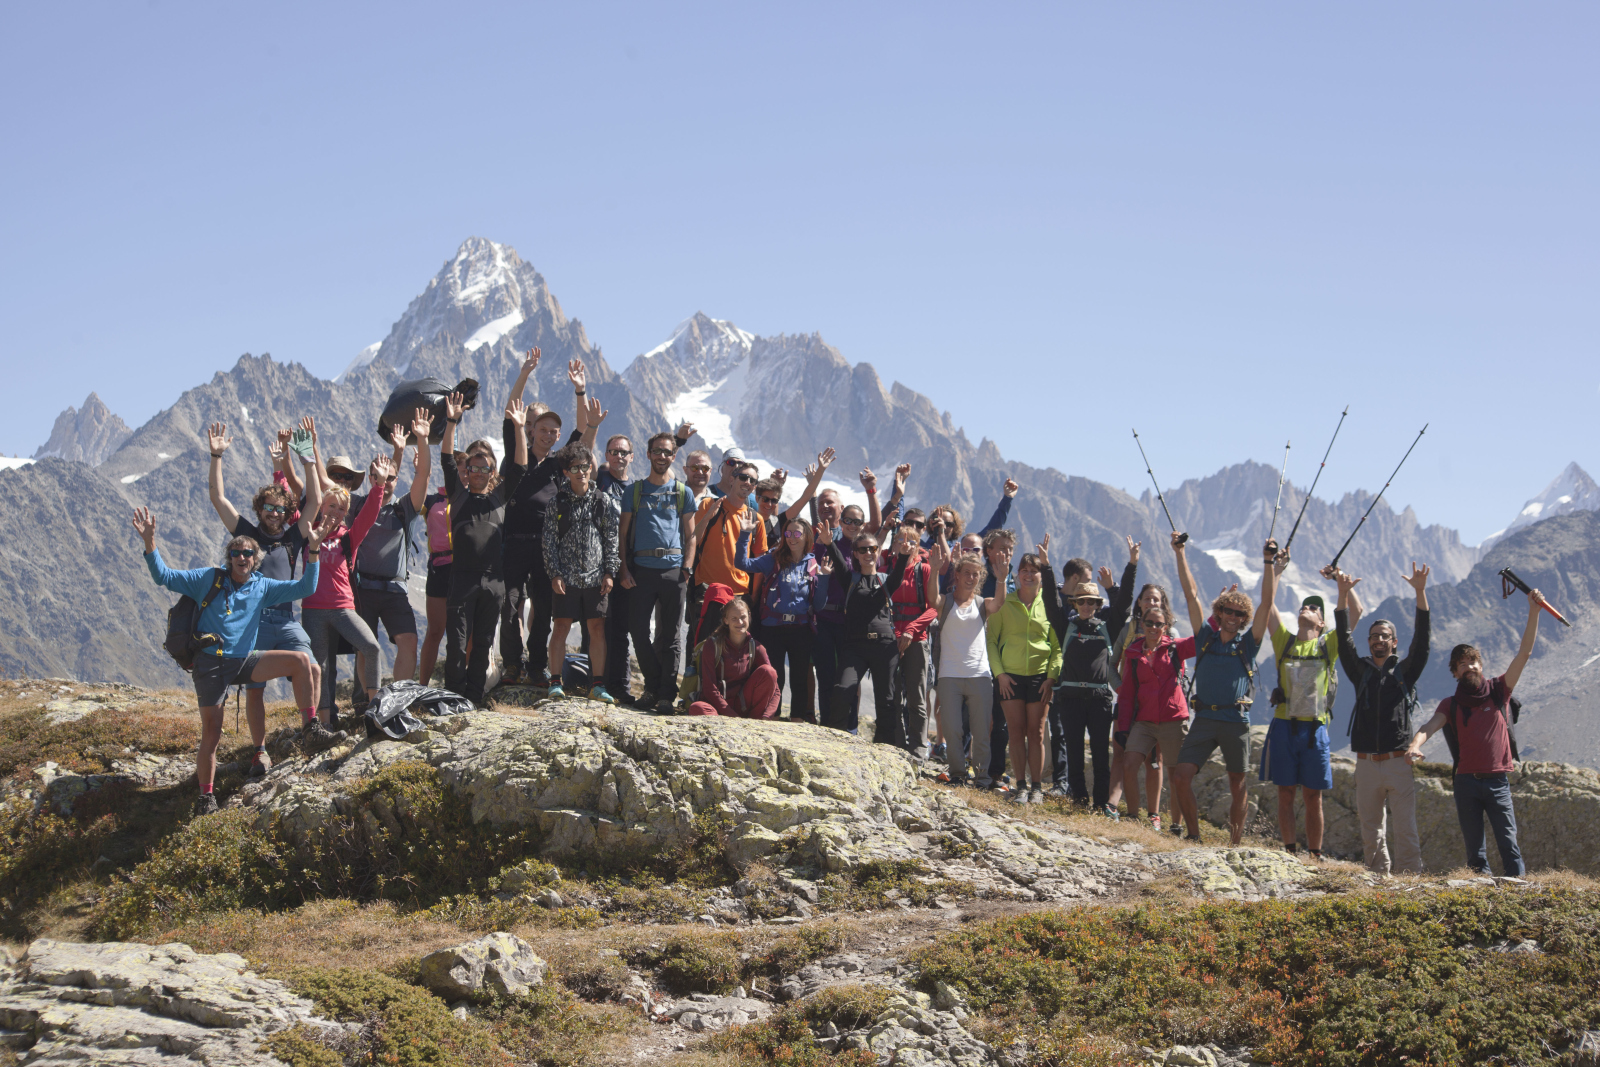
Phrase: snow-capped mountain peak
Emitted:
{"points": [[700, 352], [1572, 490]]}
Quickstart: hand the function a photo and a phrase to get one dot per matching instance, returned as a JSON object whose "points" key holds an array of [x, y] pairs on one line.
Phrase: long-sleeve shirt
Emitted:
{"points": [[526, 505], [1380, 721], [1151, 689], [1002, 511], [737, 665], [478, 520], [1021, 642], [913, 614], [786, 594], [333, 589], [580, 538], [1086, 659], [235, 613], [866, 600]]}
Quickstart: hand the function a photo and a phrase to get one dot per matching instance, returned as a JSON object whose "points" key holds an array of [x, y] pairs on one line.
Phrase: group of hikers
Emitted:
{"points": [[972, 655]]}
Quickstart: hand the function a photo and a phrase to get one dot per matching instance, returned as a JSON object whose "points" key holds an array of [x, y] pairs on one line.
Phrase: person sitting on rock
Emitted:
{"points": [[1297, 752], [281, 544], [868, 632], [1381, 725], [478, 506], [1479, 714], [581, 557], [232, 600], [736, 677], [1224, 687]]}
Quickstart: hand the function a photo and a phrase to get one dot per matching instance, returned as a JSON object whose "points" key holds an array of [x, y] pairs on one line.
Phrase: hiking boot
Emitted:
{"points": [[555, 691], [206, 804], [1111, 813], [938, 751], [1177, 829], [317, 738], [1058, 792], [539, 681], [1036, 795], [598, 692], [665, 707], [511, 675], [1019, 795], [260, 764], [645, 701], [1155, 823]]}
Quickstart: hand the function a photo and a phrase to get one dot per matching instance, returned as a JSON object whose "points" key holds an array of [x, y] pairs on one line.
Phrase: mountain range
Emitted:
{"points": [[781, 399]]}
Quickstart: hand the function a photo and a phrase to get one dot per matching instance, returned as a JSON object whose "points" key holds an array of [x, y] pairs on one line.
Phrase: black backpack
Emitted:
{"points": [[182, 642], [1200, 654], [1511, 715]]}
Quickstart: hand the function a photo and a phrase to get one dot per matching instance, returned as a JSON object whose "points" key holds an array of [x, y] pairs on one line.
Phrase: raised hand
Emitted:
{"points": [[1418, 578], [685, 431], [901, 473], [1042, 550], [1345, 582], [530, 362], [422, 424], [454, 405], [869, 481], [1107, 579], [309, 425], [1178, 540], [780, 475], [597, 414], [747, 525], [1535, 602], [382, 470], [820, 467], [939, 557], [275, 451], [1010, 488], [1133, 548], [517, 412], [577, 375], [398, 436], [217, 438], [284, 437], [1269, 551], [320, 532], [144, 524], [825, 563]]}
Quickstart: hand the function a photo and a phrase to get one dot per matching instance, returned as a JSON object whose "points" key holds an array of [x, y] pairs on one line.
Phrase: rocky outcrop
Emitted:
{"points": [[116, 1003], [499, 963], [88, 434]]}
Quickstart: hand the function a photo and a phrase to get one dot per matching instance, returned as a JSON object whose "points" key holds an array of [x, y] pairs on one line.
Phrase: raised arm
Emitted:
{"points": [[814, 475], [285, 462], [869, 482], [1058, 614], [530, 363], [309, 425], [1191, 595], [453, 406], [422, 429], [1349, 658], [1529, 632], [591, 415], [1002, 510], [1421, 631], [1267, 611], [217, 440]]}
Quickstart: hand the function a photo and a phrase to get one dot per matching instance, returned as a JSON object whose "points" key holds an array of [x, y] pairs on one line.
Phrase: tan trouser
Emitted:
{"points": [[1389, 781]]}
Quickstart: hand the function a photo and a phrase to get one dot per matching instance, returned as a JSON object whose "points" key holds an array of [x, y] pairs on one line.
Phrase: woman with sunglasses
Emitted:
{"points": [[868, 631], [790, 579], [1152, 710], [478, 503], [1026, 659], [833, 523]]}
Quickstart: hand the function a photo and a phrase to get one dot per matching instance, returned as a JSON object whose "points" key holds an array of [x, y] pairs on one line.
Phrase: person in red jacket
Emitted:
{"points": [[1152, 711], [736, 678], [915, 604]]}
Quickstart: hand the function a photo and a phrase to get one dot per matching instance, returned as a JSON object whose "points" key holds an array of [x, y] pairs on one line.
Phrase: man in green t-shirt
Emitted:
{"points": [[1297, 753]]}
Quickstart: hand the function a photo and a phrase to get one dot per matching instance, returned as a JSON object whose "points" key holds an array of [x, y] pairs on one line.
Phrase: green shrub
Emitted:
{"points": [[552, 1028], [849, 1006], [88, 745], [794, 950], [1334, 981], [699, 961], [786, 1037], [880, 883], [40, 851], [402, 1025]]}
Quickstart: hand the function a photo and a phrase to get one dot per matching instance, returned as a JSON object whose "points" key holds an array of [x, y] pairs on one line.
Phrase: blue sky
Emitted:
{"points": [[1220, 223]]}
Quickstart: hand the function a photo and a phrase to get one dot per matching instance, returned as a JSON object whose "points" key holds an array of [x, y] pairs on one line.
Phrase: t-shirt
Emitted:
{"points": [[658, 523], [1221, 673], [1306, 674], [278, 554], [386, 552], [963, 643], [438, 508], [721, 545], [1481, 734]]}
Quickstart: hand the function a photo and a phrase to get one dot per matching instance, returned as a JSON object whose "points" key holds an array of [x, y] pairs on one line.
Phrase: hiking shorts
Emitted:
{"points": [[278, 632], [581, 605], [438, 580], [1145, 737], [1029, 688], [1297, 752], [1207, 735], [388, 607], [213, 675]]}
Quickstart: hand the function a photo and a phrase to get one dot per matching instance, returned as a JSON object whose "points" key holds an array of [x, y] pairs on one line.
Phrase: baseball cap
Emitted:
{"points": [[1314, 601], [733, 453]]}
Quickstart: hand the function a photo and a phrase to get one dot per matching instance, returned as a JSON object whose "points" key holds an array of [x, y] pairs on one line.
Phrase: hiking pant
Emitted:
{"points": [[525, 581], [792, 642], [963, 701], [656, 595], [324, 627], [1070, 718], [756, 698], [1488, 797], [1382, 789], [826, 651], [916, 664], [619, 620], [856, 658], [471, 611]]}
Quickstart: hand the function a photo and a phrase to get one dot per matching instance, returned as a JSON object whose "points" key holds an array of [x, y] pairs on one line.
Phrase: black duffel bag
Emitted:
{"points": [[390, 712], [428, 393]]}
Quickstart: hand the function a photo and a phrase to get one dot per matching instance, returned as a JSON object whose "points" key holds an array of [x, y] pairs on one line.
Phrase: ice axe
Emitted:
{"points": [[1181, 537], [1510, 583]]}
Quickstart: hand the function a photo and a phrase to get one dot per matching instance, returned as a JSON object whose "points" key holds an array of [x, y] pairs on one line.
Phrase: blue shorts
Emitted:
{"points": [[1297, 752], [280, 633]]}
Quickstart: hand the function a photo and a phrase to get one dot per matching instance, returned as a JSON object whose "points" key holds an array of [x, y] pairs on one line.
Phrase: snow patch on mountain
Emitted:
{"points": [[365, 356], [11, 463], [492, 331], [1572, 490]]}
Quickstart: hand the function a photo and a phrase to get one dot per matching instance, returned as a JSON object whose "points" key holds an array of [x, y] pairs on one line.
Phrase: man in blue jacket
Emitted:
{"points": [[233, 614]]}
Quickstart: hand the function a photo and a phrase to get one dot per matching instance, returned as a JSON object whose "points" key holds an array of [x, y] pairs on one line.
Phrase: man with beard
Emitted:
{"points": [[1480, 715], [657, 546], [282, 545]]}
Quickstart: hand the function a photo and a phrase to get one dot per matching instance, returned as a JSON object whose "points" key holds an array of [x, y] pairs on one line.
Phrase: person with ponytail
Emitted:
{"points": [[736, 678]]}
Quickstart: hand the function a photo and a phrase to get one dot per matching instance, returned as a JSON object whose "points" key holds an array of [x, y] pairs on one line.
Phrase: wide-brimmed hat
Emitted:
{"points": [[343, 463], [1088, 589]]}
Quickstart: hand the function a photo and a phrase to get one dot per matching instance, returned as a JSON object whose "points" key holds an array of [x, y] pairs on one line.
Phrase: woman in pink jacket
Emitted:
{"points": [[1152, 712]]}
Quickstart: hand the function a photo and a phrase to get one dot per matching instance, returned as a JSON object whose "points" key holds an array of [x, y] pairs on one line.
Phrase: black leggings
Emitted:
{"points": [[794, 643], [857, 657], [1070, 717], [525, 580], [472, 610]]}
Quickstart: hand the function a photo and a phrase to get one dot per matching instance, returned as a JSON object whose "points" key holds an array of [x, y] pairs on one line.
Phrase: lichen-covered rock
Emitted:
{"points": [[125, 1003], [499, 963]]}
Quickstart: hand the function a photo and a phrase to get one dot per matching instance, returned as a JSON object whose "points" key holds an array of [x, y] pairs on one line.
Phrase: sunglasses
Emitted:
{"points": [[914, 524], [669, 453], [852, 522], [274, 509], [745, 478], [479, 468], [1087, 600], [699, 469], [241, 553], [346, 476], [1233, 613], [793, 535], [622, 452], [866, 550], [770, 500]]}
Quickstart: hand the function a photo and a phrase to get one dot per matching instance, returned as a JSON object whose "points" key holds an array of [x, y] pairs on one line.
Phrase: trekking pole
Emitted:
{"points": [[1181, 537], [1279, 502], [1306, 502], [1510, 583], [1377, 498]]}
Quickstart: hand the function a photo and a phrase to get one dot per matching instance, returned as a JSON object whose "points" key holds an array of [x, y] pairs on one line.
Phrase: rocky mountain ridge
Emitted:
{"points": [[88, 434]]}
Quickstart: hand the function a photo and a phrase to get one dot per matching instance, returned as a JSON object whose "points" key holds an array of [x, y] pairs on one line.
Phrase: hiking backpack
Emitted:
{"points": [[182, 642], [1319, 651], [1412, 701], [1200, 651], [1100, 630]]}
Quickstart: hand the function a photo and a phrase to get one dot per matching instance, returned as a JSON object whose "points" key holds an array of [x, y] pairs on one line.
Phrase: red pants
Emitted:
{"points": [[756, 698]]}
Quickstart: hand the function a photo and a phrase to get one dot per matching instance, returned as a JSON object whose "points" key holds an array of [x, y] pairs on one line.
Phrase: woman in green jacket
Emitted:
{"points": [[1025, 656]]}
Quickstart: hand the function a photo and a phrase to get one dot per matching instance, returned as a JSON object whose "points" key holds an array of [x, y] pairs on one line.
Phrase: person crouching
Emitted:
{"points": [[580, 555], [736, 677]]}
